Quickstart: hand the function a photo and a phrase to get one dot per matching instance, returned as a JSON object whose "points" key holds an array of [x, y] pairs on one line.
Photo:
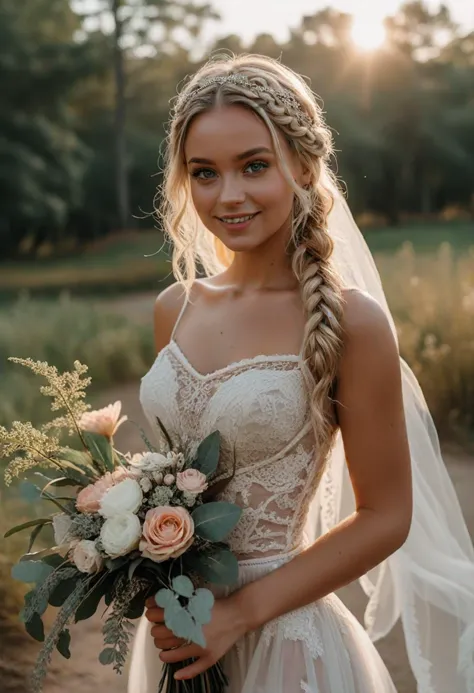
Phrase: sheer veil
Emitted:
{"points": [[429, 582]]}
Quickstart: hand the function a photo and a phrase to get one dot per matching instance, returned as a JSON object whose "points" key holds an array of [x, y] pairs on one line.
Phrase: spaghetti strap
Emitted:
{"points": [[180, 315]]}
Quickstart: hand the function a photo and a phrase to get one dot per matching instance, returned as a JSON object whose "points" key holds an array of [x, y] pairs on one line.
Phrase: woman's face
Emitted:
{"points": [[237, 185]]}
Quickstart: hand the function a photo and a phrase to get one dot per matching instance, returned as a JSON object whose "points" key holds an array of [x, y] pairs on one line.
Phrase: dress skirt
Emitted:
{"points": [[320, 648]]}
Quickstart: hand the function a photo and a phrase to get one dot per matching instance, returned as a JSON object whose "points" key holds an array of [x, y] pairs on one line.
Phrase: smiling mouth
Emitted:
{"points": [[238, 220]]}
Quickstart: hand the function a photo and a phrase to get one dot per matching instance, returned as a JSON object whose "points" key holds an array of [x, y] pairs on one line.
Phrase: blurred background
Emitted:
{"points": [[86, 88]]}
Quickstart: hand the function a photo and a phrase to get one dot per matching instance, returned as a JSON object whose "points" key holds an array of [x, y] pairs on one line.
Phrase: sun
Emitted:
{"points": [[368, 34]]}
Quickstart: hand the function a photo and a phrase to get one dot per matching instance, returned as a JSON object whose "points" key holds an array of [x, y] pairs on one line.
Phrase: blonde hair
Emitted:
{"points": [[311, 245]]}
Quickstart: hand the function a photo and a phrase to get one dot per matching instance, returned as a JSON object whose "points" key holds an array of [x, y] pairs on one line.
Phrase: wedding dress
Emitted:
{"points": [[261, 409]]}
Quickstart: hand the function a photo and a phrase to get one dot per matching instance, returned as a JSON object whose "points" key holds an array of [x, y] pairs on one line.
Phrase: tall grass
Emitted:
{"points": [[432, 299], [114, 348]]}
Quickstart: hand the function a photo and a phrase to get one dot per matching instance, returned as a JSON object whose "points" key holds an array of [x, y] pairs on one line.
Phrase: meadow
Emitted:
{"points": [[96, 307]]}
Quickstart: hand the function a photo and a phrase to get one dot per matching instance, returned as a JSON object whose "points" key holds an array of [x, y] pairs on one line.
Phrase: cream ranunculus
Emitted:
{"points": [[192, 481], [86, 557], [168, 532], [120, 534], [105, 421], [125, 497]]}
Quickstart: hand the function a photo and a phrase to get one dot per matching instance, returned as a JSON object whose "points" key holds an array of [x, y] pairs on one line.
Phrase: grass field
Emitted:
{"points": [[135, 262]]}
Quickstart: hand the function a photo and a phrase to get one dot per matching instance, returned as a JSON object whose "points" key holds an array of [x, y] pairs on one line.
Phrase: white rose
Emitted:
{"points": [[86, 557], [120, 534], [61, 527], [168, 480], [126, 497], [150, 462]]}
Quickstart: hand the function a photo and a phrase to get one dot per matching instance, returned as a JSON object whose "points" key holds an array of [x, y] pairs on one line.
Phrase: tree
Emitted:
{"points": [[145, 27]]}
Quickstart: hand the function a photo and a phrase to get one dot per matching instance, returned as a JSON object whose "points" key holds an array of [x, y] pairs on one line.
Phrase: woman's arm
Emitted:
{"points": [[371, 417]]}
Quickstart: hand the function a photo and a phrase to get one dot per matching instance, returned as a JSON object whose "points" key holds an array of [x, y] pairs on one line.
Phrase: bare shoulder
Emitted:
{"points": [[365, 323], [166, 310]]}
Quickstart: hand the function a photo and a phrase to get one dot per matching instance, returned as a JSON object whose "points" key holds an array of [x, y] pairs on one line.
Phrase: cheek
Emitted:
{"points": [[275, 195], [204, 196]]}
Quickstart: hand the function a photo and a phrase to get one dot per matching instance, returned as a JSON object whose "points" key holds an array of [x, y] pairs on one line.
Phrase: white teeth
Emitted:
{"points": [[238, 220]]}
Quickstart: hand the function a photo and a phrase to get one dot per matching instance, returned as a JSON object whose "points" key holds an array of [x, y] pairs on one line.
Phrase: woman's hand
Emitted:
{"points": [[225, 628]]}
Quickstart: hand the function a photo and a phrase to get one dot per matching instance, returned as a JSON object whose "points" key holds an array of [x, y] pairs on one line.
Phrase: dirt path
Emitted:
{"points": [[83, 674]]}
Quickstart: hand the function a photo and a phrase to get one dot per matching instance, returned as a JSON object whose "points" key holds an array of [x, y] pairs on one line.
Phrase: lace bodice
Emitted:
{"points": [[261, 409]]}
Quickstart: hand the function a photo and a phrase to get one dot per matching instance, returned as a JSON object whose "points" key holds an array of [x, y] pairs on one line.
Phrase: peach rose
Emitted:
{"points": [[88, 500], [192, 481], [167, 533], [104, 421]]}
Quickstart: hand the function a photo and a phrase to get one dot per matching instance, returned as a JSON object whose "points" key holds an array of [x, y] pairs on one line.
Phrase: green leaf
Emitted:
{"points": [[60, 482], [136, 606], [200, 606], [54, 560], [34, 535], [62, 591], [31, 571], [89, 605], [133, 566], [29, 492], [31, 523], [208, 454], [35, 628], [107, 656], [100, 449], [41, 604], [217, 565], [214, 521], [40, 555], [183, 586], [63, 643], [113, 564]]}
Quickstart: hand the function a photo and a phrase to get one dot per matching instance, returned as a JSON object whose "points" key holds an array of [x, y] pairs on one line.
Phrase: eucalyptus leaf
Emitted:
{"points": [[217, 565], [183, 586], [31, 571], [208, 454], [184, 626], [165, 598], [200, 606], [35, 627], [26, 525], [100, 449], [63, 643], [214, 521], [107, 656]]}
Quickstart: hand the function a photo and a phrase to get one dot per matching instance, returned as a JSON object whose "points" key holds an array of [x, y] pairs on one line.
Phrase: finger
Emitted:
{"points": [[161, 631], [198, 667], [150, 602], [155, 615], [167, 643], [181, 653]]}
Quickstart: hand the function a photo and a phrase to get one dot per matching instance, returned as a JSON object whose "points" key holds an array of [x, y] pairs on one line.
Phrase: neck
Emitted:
{"points": [[267, 267]]}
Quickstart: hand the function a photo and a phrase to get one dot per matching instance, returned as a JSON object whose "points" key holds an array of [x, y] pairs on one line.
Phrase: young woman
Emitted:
{"points": [[287, 347]]}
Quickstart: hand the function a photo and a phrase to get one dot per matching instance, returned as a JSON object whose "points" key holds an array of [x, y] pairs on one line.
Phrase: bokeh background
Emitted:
{"points": [[85, 94]]}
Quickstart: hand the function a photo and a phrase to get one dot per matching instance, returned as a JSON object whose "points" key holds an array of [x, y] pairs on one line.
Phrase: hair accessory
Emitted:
{"points": [[283, 95]]}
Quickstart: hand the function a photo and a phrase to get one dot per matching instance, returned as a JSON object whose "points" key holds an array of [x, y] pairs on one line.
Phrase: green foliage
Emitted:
{"points": [[214, 521], [208, 453]]}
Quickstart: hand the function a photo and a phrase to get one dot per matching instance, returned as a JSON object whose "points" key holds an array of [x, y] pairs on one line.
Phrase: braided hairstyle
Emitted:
{"points": [[300, 120]]}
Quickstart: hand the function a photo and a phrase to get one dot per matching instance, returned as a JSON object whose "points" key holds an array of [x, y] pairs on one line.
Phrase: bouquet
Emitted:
{"points": [[126, 527]]}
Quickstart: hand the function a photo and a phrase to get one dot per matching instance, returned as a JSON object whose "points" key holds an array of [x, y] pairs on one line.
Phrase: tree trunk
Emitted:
{"points": [[120, 116]]}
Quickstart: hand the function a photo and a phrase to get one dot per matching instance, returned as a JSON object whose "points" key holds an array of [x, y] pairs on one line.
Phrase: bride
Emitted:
{"points": [[288, 348]]}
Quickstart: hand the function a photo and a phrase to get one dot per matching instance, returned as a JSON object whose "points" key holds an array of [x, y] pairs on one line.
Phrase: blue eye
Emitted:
{"points": [[256, 166], [202, 173]]}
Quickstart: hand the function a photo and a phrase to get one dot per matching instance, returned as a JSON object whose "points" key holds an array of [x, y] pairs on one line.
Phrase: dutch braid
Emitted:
{"points": [[300, 120]]}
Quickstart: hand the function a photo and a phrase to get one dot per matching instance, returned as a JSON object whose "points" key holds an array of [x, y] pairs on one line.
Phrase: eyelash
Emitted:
{"points": [[197, 173]]}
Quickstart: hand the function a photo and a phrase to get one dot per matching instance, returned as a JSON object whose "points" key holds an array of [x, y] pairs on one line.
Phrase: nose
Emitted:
{"points": [[232, 190]]}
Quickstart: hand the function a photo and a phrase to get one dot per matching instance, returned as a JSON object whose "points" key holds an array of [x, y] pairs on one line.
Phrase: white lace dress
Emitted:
{"points": [[260, 407]]}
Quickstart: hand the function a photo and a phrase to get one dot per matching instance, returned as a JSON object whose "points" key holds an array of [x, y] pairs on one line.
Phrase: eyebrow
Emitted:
{"points": [[239, 157]]}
